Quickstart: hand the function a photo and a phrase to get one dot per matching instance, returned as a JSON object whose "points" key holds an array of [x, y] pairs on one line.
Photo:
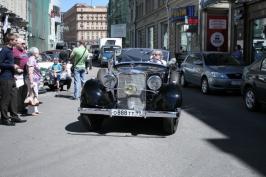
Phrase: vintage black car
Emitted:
{"points": [[254, 85], [132, 86]]}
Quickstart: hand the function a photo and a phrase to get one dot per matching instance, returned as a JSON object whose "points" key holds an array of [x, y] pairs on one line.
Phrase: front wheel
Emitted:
{"points": [[205, 86], [250, 99], [170, 125], [91, 122]]}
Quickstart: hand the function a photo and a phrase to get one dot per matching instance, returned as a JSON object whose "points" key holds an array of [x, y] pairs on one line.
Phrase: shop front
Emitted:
{"points": [[185, 22], [250, 29], [215, 25]]}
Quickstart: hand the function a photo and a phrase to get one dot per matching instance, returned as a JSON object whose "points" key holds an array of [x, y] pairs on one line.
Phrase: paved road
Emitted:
{"points": [[216, 137]]}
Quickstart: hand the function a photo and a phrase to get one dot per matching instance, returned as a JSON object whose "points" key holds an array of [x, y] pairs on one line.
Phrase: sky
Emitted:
{"points": [[67, 4]]}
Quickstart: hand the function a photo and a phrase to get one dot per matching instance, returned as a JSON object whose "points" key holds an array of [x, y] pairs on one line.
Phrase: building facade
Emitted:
{"points": [[85, 23], [55, 24], [16, 10], [118, 20], [39, 24], [171, 25]]}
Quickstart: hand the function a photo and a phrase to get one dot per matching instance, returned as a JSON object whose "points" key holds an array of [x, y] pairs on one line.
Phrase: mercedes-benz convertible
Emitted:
{"points": [[133, 86]]}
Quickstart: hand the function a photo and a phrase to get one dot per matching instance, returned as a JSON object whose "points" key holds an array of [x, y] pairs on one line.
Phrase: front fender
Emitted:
{"points": [[168, 99], [94, 95]]}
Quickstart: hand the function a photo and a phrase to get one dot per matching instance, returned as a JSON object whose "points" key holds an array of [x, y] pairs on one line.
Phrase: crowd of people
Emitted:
{"points": [[20, 77]]}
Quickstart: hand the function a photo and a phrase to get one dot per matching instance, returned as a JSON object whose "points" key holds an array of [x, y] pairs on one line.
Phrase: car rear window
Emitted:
{"points": [[218, 59]]}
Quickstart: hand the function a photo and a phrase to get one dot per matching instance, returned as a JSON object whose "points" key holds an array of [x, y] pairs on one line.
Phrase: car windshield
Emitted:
{"points": [[136, 55], [220, 59]]}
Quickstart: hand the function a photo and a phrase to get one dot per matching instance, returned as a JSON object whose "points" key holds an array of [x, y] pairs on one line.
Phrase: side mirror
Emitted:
{"points": [[172, 62]]}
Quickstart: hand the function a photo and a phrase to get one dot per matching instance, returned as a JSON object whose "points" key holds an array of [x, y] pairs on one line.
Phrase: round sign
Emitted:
{"points": [[217, 39]]}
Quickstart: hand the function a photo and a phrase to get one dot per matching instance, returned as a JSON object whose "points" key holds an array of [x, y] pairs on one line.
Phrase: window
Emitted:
{"points": [[149, 5], [161, 2], [139, 10], [151, 37]]}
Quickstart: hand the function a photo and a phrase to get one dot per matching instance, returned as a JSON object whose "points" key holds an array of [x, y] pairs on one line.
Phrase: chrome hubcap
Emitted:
{"points": [[250, 99]]}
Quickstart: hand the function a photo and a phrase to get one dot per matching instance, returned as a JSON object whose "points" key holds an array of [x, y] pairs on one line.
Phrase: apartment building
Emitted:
{"points": [[86, 23]]}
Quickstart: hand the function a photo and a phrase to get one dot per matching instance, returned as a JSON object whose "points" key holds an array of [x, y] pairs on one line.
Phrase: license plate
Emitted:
{"points": [[126, 113], [236, 83]]}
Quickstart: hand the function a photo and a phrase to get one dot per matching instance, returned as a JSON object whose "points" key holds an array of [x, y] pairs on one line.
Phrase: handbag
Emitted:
{"points": [[31, 99], [74, 65]]}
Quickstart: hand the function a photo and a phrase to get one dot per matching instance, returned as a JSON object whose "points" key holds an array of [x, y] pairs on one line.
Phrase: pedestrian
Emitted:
{"points": [[56, 72], [88, 62], [33, 78], [8, 90], [78, 57], [237, 54], [21, 59], [65, 77]]}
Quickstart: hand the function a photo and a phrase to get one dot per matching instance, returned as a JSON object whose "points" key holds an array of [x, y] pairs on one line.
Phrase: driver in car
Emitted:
{"points": [[157, 57]]}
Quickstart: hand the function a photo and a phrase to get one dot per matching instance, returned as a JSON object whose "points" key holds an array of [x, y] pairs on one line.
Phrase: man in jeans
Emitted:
{"points": [[8, 90], [78, 57]]}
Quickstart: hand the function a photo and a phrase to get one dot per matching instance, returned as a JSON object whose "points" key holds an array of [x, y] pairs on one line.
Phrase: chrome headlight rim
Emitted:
{"points": [[109, 81], [154, 82], [218, 75]]}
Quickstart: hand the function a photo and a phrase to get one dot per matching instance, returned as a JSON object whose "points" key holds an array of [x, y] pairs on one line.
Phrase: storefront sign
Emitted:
{"points": [[217, 33], [217, 39], [119, 30], [217, 24], [182, 13]]}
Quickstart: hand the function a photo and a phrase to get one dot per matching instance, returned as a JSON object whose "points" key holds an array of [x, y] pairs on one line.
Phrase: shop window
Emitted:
{"points": [[164, 36], [150, 37], [259, 39]]}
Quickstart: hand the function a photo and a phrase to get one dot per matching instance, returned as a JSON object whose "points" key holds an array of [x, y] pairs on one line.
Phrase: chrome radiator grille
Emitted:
{"points": [[136, 101]]}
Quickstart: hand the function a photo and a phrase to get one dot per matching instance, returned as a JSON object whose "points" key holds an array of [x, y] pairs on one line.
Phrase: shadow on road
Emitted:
{"points": [[245, 131], [119, 127]]}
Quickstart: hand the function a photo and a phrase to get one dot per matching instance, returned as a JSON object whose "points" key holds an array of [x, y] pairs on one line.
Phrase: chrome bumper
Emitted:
{"points": [[146, 114]]}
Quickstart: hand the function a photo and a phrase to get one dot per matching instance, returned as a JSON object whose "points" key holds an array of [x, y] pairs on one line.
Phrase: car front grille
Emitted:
{"points": [[136, 101], [235, 76]]}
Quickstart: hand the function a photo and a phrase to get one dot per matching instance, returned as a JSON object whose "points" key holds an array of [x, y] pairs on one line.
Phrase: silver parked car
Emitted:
{"points": [[211, 71]]}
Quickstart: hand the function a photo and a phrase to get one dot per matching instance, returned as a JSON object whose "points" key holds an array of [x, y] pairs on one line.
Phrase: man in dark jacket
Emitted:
{"points": [[8, 90]]}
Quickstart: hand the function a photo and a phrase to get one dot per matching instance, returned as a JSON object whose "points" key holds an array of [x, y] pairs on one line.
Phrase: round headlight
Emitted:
{"points": [[109, 81], [154, 82]]}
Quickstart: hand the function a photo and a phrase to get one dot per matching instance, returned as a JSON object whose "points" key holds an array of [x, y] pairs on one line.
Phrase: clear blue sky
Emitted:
{"points": [[67, 4]]}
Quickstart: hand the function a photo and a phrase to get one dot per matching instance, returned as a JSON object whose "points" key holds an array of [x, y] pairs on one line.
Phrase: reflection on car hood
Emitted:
{"points": [[226, 69], [141, 68]]}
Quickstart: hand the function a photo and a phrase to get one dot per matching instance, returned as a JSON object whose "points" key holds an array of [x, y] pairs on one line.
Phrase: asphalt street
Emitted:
{"points": [[216, 137]]}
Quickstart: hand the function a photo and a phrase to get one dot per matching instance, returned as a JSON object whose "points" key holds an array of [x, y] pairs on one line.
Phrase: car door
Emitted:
{"points": [[197, 68], [261, 82], [187, 67]]}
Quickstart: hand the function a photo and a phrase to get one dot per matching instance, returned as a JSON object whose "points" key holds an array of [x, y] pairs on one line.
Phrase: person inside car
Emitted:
{"points": [[157, 57]]}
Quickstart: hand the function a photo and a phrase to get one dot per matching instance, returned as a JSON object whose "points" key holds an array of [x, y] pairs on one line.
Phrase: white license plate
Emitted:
{"points": [[126, 113], [236, 83]]}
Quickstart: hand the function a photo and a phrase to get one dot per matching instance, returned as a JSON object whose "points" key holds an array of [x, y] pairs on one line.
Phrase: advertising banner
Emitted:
{"points": [[217, 33]]}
